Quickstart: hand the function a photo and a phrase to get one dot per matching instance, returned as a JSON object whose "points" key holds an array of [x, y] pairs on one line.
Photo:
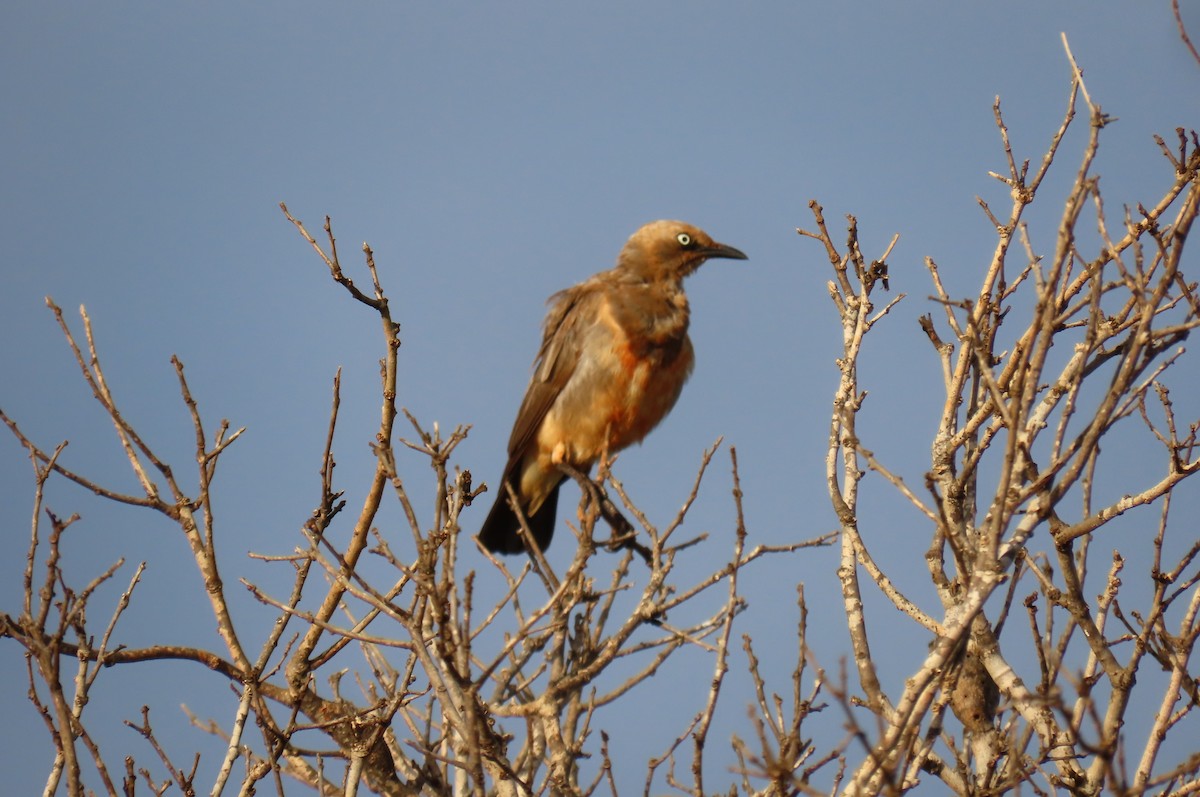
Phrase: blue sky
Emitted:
{"points": [[492, 154]]}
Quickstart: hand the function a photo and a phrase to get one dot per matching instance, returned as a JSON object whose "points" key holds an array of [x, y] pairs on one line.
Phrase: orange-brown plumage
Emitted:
{"points": [[615, 355]]}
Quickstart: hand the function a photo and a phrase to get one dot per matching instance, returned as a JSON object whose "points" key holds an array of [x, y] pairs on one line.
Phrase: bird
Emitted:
{"points": [[614, 357]]}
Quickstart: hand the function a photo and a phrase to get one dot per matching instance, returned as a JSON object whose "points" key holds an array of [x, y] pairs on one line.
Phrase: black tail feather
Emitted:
{"points": [[501, 531]]}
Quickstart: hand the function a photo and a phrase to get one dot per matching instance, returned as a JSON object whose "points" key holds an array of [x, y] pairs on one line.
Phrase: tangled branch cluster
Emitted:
{"points": [[455, 696], [1017, 450]]}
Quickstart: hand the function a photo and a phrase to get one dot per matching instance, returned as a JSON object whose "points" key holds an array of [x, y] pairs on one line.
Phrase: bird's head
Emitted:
{"points": [[670, 250]]}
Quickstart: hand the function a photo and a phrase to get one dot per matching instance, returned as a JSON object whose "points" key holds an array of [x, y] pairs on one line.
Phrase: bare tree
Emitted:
{"points": [[436, 712], [454, 696], [1017, 452]]}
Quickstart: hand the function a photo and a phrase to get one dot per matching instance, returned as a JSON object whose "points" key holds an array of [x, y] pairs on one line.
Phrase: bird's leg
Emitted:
{"points": [[624, 534]]}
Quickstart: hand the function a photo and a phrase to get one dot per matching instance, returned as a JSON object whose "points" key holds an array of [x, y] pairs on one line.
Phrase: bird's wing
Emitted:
{"points": [[571, 313]]}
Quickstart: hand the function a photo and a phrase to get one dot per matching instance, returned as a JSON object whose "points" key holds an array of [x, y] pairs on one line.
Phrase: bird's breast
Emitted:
{"points": [[647, 388], [628, 378]]}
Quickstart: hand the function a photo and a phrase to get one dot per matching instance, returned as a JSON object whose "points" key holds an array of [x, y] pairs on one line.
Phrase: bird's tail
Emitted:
{"points": [[501, 531]]}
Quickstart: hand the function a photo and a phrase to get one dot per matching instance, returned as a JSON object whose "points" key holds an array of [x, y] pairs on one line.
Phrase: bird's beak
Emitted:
{"points": [[722, 250]]}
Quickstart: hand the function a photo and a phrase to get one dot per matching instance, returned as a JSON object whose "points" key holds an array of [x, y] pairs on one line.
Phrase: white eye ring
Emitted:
{"points": [[684, 239]]}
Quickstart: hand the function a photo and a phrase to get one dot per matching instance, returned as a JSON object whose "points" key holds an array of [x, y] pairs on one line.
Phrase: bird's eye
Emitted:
{"points": [[684, 239]]}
